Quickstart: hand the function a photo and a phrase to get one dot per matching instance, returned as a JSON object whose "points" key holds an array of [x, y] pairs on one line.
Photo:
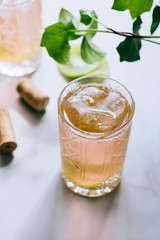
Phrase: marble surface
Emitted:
{"points": [[34, 203]]}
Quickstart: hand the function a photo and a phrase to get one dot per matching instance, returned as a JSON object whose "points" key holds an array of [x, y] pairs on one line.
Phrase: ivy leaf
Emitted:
{"points": [[65, 16], [93, 25], [155, 19], [72, 35], [55, 40], [87, 16], [130, 47], [129, 50], [137, 25], [70, 21], [136, 7], [90, 52]]}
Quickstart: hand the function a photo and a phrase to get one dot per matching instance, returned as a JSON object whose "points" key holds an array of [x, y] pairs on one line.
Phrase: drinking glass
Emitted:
{"points": [[20, 35], [92, 161]]}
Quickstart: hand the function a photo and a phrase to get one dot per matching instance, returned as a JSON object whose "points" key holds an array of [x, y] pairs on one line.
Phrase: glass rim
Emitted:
{"points": [[107, 134], [16, 4]]}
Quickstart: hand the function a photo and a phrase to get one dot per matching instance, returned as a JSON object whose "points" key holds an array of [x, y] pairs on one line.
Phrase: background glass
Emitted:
{"points": [[20, 35], [92, 163]]}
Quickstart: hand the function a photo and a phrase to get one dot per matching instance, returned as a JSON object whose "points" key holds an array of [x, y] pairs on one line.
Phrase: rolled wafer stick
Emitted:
{"points": [[32, 95], [7, 137]]}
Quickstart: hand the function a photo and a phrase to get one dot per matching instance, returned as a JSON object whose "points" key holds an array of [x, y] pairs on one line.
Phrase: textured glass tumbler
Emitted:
{"points": [[20, 35], [92, 162]]}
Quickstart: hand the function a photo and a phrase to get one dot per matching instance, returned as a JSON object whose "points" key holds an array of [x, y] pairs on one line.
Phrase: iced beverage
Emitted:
{"points": [[95, 116], [20, 34]]}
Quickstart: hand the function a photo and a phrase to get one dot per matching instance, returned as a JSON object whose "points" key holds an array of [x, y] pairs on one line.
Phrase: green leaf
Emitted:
{"points": [[155, 19], [137, 25], [87, 16], [65, 16], [70, 21], [129, 48], [55, 40], [121, 5], [136, 7], [90, 52], [72, 35], [93, 25]]}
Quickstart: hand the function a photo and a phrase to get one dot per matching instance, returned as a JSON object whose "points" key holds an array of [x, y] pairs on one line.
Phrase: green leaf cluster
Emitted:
{"points": [[57, 36], [129, 49]]}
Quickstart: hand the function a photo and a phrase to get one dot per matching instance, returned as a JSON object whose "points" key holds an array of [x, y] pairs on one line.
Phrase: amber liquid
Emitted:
{"points": [[20, 31], [93, 108]]}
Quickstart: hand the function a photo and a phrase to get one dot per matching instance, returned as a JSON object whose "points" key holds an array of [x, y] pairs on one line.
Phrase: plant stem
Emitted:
{"points": [[128, 34], [124, 34], [101, 23], [150, 41], [89, 30]]}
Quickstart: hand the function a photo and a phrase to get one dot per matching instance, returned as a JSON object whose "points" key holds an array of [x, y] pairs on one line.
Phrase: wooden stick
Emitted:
{"points": [[7, 137]]}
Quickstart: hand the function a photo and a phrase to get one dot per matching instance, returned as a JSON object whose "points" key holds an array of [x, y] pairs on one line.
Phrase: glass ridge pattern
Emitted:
{"points": [[94, 134], [91, 162]]}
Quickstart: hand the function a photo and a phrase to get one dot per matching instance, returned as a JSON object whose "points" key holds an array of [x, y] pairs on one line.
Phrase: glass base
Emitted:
{"points": [[104, 188], [21, 69]]}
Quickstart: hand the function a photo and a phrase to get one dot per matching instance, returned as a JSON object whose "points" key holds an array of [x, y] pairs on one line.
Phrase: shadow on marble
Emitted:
{"points": [[27, 108], [67, 79], [82, 217], [62, 215], [5, 159], [9, 98]]}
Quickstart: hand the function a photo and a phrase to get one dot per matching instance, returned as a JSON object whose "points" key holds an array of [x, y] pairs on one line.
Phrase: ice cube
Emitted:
{"points": [[96, 108], [97, 94], [98, 119], [114, 102]]}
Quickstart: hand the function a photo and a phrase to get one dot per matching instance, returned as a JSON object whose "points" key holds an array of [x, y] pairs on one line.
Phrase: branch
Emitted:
{"points": [[123, 34]]}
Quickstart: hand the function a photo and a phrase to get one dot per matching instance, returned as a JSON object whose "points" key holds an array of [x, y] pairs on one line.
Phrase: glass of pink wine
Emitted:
{"points": [[20, 36], [95, 118]]}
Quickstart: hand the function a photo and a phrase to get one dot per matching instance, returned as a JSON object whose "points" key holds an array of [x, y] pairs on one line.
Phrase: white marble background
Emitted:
{"points": [[34, 203]]}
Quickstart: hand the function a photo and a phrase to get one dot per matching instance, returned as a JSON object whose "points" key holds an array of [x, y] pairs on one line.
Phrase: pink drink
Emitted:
{"points": [[95, 122], [20, 34]]}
